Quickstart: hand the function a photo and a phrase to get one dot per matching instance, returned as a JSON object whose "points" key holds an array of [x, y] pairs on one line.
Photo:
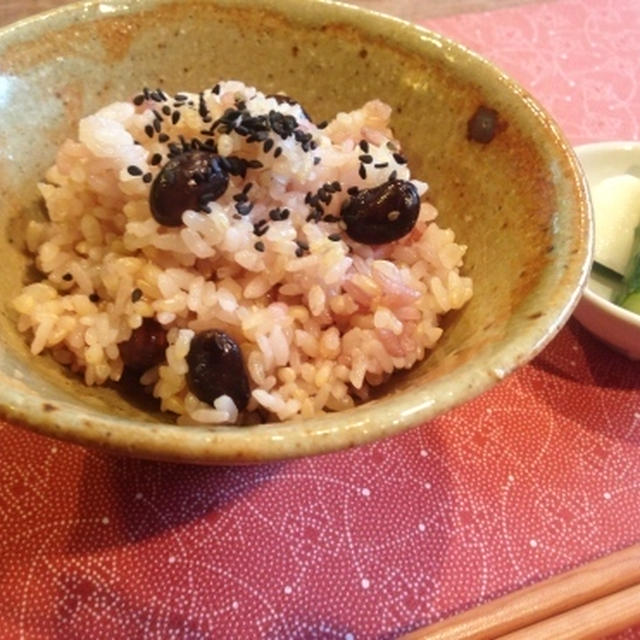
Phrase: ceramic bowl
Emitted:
{"points": [[518, 201], [617, 327]]}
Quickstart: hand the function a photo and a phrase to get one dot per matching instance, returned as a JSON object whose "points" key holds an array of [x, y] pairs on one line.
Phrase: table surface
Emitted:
{"points": [[534, 477], [12, 10]]}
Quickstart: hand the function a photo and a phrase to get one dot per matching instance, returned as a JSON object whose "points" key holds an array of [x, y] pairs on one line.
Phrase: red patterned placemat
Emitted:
{"points": [[536, 476]]}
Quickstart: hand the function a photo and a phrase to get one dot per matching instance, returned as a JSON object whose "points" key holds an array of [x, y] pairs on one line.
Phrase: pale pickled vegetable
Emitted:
{"points": [[616, 203], [630, 296]]}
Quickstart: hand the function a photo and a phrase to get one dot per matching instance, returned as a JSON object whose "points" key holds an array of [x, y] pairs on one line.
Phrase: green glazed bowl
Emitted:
{"points": [[518, 202]]}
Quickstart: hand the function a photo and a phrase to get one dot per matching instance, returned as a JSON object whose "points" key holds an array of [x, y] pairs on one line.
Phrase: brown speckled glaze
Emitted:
{"points": [[518, 202]]}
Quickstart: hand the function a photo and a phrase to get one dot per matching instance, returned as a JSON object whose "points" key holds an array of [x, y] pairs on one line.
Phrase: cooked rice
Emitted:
{"points": [[318, 318]]}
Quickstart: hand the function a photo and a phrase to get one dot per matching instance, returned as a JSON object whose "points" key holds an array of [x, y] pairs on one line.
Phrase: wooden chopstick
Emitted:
{"points": [[524, 608], [592, 620]]}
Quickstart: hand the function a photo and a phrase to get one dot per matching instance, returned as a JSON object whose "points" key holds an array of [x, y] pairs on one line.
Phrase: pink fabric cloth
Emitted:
{"points": [[534, 477]]}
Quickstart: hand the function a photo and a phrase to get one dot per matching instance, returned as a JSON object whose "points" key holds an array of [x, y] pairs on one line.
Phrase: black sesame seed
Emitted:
{"points": [[259, 246], [244, 208], [157, 96], [336, 186], [399, 158], [138, 100], [166, 109], [362, 172], [203, 110], [134, 171], [156, 159], [147, 178], [352, 191], [365, 158], [157, 125], [247, 187], [136, 294], [324, 196], [260, 231], [67, 276], [146, 94], [254, 164], [316, 160], [393, 175], [149, 130], [334, 237], [163, 137], [277, 152], [216, 90], [299, 252], [330, 218], [261, 223], [94, 297], [279, 214], [381, 165], [323, 124], [240, 197], [364, 145], [181, 97], [175, 116], [268, 145]]}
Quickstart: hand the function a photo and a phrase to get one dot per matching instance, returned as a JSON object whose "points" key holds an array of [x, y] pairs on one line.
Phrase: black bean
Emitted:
{"points": [[188, 181], [482, 125], [216, 368], [146, 346], [382, 214]]}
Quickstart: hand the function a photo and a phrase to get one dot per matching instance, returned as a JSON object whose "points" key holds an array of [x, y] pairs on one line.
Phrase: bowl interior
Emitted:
{"points": [[518, 202]]}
